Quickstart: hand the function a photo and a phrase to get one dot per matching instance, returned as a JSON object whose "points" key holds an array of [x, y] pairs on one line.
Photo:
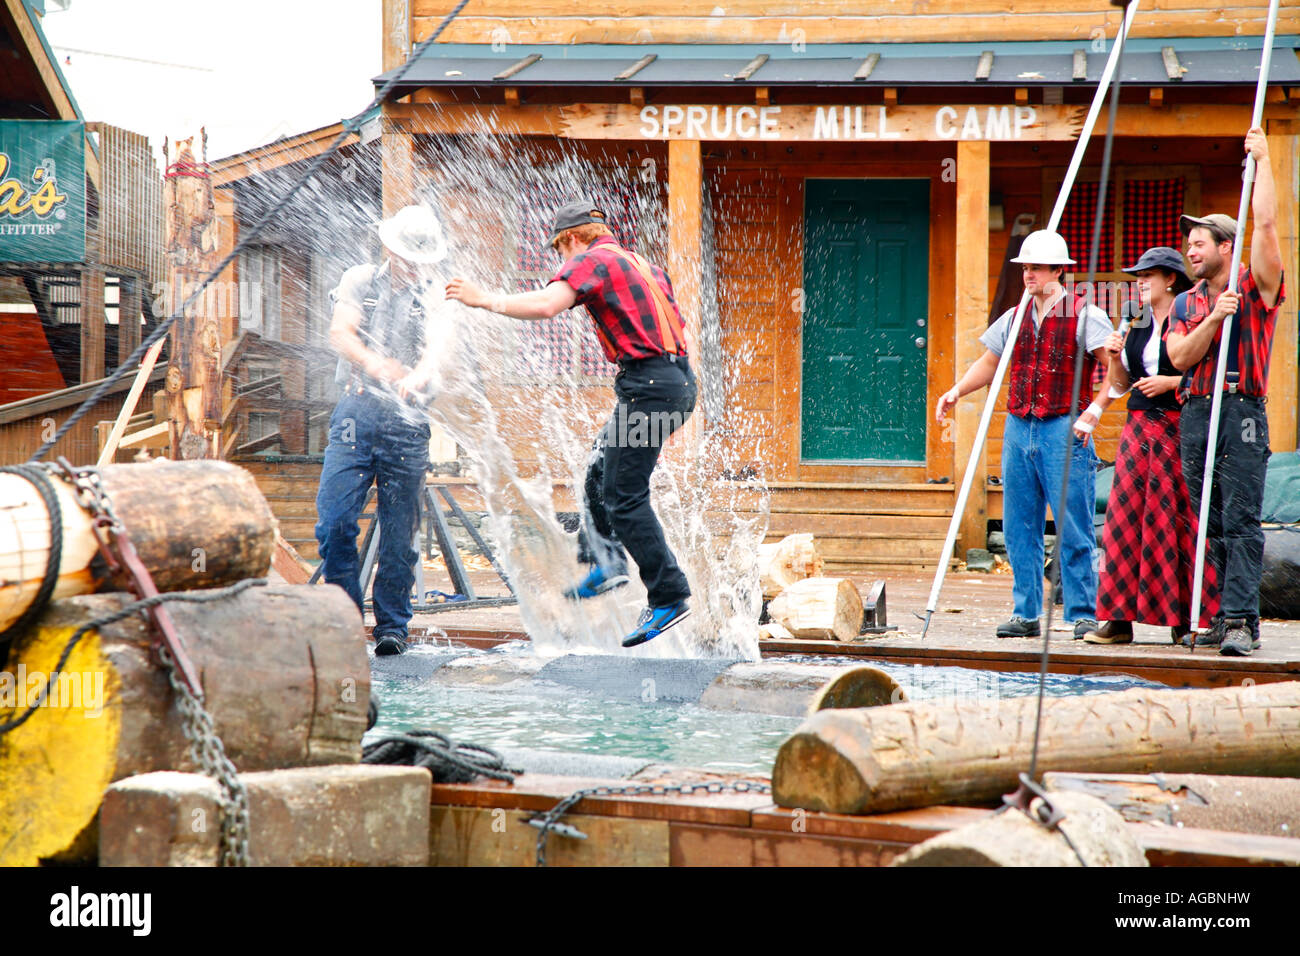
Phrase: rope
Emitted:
{"points": [[184, 597], [246, 239], [449, 762], [54, 511]]}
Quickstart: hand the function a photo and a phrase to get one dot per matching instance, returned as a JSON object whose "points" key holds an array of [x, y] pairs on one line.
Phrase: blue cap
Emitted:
{"points": [[1160, 257]]}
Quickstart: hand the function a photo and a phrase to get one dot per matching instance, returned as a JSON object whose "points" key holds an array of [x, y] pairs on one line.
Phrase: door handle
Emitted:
{"points": [[920, 342]]}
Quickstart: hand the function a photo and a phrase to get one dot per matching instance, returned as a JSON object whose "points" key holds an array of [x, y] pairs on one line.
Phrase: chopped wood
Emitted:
{"points": [[791, 559], [819, 608]]}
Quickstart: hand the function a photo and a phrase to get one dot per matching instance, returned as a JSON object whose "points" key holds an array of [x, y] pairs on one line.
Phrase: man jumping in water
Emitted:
{"points": [[636, 318]]}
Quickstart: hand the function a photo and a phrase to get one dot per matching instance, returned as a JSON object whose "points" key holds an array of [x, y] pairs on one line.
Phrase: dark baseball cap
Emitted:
{"points": [[1222, 226], [1160, 257], [577, 213]]}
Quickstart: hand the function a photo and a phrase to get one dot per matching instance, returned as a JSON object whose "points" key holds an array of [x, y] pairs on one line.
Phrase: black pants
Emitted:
{"points": [[1234, 537], [655, 398]]}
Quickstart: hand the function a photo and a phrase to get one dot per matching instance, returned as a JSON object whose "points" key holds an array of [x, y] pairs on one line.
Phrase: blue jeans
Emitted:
{"points": [[370, 442], [1033, 459]]}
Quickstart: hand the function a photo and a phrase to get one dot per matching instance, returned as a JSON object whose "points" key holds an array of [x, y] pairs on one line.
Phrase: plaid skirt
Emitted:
{"points": [[1150, 538]]}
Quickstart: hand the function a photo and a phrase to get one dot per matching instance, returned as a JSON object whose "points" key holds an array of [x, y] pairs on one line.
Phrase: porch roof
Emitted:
{"points": [[1225, 61]]}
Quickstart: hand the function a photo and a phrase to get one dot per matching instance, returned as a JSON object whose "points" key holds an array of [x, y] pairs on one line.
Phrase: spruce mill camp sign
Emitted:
{"points": [[42, 191]]}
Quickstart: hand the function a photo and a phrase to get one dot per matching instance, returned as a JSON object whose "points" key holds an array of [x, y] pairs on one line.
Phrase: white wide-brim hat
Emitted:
{"points": [[414, 234], [1044, 248]]}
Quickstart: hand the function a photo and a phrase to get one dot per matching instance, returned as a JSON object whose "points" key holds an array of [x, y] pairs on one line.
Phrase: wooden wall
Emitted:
{"points": [[25, 425], [789, 21]]}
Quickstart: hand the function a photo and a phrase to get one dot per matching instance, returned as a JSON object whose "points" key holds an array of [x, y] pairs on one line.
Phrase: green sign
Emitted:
{"points": [[42, 191]]}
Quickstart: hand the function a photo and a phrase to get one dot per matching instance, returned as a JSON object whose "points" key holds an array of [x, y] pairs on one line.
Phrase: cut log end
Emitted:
{"points": [[859, 687]]}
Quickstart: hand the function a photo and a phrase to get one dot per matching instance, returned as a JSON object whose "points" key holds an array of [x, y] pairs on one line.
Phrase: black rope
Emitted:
{"points": [[449, 762], [246, 239], [40, 480], [184, 597], [1081, 343]]}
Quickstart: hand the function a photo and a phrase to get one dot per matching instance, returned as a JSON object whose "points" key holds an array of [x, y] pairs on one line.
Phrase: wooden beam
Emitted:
{"points": [[397, 16], [514, 68], [685, 238], [752, 67], [1022, 96], [1079, 72], [985, 66], [637, 67], [891, 96], [55, 95], [867, 66], [92, 324], [972, 310], [512, 96], [397, 148], [762, 97], [1156, 97], [636, 96], [1283, 376], [1173, 69]]}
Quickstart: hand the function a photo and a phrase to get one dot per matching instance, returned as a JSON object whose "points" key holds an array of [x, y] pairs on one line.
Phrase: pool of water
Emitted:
{"points": [[541, 716]]}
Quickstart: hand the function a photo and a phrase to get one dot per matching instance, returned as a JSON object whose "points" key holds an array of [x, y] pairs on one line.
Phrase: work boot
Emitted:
{"points": [[654, 621], [1085, 624], [389, 644], [1112, 632], [1018, 627], [597, 582], [1211, 638], [1238, 641]]}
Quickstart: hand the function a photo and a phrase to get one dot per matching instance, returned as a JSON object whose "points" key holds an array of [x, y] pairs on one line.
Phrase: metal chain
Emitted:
{"points": [[550, 820], [209, 753]]}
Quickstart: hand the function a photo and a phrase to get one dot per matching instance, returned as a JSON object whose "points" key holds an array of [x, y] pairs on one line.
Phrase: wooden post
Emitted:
{"points": [[685, 249], [398, 150], [1283, 379], [128, 316], [194, 372], [972, 280], [397, 33], [92, 324]]}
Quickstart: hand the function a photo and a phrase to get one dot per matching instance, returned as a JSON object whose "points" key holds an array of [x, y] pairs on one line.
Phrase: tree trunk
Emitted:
{"points": [[1268, 806], [966, 751], [1099, 835], [194, 524], [791, 559], [819, 608], [284, 674]]}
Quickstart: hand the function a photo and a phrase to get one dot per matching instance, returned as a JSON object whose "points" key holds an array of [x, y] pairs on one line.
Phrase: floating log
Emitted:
{"points": [[784, 562], [1269, 806], [819, 609], [796, 690], [198, 524], [969, 751], [284, 674], [1099, 835]]}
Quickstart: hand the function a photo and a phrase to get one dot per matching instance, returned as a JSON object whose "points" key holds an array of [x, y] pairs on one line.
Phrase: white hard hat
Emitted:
{"points": [[414, 234], [1044, 248]]}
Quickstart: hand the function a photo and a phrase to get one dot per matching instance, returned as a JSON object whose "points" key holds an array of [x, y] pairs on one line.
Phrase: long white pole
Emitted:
{"points": [[1225, 333], [1062, 197]]}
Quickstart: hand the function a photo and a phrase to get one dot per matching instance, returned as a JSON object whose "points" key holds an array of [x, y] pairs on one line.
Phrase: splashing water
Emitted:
{"points": [[525, 400]]}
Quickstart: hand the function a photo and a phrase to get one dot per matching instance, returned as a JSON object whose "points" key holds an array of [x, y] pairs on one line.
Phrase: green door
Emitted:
{"points": [[866, 318]]}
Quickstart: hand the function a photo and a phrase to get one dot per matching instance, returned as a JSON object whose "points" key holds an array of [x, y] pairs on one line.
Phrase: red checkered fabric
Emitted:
{"points": [[1151, 211], [1150, 538], [560, 346], [1076, 227], [1255, 322], [1042, 366]]}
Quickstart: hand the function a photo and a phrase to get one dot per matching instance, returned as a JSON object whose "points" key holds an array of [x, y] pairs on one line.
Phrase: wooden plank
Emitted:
{"points": [[1173, 69], [514, 68], [752, 67], [685, 245], [128, 406], [1079, 70], [868, 65], [972, 309], [696, 845], [750, 9], [465, 836], [93, 332], [1202, 21], [397, 17], [398, 160], [637, 67], [985, 65], [1172, 846]]}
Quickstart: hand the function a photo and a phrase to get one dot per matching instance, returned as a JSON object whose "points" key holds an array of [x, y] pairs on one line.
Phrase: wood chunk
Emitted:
{"points": [[791, 559], [819, 608]]}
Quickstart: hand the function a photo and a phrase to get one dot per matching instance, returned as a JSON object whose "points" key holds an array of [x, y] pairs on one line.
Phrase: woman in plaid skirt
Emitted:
{"points": [[1150, 536]]}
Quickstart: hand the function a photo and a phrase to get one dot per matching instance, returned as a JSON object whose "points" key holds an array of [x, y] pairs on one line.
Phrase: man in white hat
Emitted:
{"points": [[378, 330], [1040, 378]]}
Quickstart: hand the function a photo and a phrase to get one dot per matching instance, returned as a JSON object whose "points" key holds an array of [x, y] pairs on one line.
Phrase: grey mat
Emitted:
{"points": [[648, 680]]}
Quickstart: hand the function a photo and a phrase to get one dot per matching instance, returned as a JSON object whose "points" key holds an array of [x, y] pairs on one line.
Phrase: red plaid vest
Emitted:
{"points": [[1042, 364]]}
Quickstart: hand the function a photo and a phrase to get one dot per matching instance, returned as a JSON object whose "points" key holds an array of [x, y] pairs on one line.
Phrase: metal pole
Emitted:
{"points": [[1225, 333], [1062, 197]]}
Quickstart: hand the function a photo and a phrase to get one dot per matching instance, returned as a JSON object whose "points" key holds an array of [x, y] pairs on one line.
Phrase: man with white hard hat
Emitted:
{"points": [[1039, 417], [378, 330]]}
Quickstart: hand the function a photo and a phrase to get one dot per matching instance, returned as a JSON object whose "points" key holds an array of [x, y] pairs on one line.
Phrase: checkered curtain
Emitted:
{"points": [[1151, 211], [550, 348], [538, 208], [1076, 227]]}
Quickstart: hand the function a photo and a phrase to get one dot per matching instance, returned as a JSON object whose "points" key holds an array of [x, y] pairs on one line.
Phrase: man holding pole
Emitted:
{"points": [[1233, 534], [1038, 422]]}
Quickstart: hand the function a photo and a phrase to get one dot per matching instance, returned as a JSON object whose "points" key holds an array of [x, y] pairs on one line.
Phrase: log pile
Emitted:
{"points": [[800, 603]]}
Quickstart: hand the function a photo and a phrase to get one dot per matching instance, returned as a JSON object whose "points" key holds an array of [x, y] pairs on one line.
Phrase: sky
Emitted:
{"points": [[265, 68]]}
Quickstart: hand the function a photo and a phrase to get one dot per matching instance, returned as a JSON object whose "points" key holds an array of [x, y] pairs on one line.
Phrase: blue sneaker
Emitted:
{"points": [[597, 582], [654, 621]]}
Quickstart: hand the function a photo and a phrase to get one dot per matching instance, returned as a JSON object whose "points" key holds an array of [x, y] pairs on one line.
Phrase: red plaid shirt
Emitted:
{"points": [[1257, 322], [1042, 365], [620, 303]]}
